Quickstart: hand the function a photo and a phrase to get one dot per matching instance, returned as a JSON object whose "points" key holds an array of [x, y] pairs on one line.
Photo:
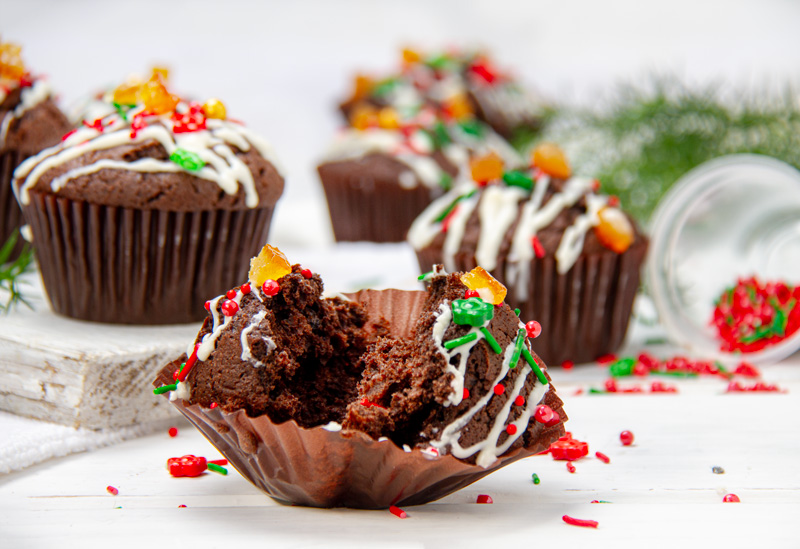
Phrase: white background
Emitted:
{"points": [[281, 67]]}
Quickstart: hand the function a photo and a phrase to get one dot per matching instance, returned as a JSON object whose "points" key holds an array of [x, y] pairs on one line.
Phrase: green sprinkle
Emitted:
{"points": [[671, 373], [656, 341], [187, 160], [622, 367], [517, 349], [439, 135], [516, 312], [122, 110], [471, 127], [217, 469], [452, 206], [384, 87], [535, 367], [453, 343], [438, 62], [446, 181], [472, 312], [602, 501], [518, 179], [535, 478], [593, 391], [423, 276], [491, 340], [165, 389]]}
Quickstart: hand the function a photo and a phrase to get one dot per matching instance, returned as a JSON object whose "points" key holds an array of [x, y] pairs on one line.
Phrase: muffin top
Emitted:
{"points": [[29, 119], [146, 148], [506, 218]]}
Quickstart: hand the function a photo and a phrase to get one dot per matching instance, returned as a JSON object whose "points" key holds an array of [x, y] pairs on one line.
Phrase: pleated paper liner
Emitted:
{"points": [[11, 214], [129, 266], [368, 203], [584, 313], [321, 468]]}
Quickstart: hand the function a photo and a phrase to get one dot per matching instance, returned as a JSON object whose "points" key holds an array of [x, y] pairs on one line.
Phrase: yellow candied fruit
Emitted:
{"points": [[127, 93], [159, 73], [214, 108], [270, 263], [485, 284], [458, 106], [549, 158], [388, 118], [486, 168], [614, 230], [11, 65], [363, 116], [156, 98], [411, 56]]}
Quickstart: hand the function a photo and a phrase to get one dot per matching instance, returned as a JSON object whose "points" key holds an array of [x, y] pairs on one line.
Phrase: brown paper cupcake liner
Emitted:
{"points": [[9, 208], [364, 207], [322, 468], [129, 266], [584, 313]]}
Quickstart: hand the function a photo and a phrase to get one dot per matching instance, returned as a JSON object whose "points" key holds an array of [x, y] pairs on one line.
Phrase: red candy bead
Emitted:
{"points": [[245, 288], [173, 432], [520, 400], [213, 405], [230, 294], [568, 365], [111, 490], [306, 273], [471, 293], [533, 329], [270, 288], [554, 421], [207, 306], [543, 414], [483, 498], [731, 498], [499, 389], [230, 308], [466, 394], [511, 429], [626, 438], [186, 466]]}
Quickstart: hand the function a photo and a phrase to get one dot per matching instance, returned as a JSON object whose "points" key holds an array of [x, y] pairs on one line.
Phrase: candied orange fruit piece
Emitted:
{"points": [[614, 230], [11, 65], [488, 288], [363, 116], [214, 108], [161, 73], [362, 87], [458, 106], [156, 98], [486, 168], [388, 118], [269, 264], [411, 56], [127, 93], [549, 158]]}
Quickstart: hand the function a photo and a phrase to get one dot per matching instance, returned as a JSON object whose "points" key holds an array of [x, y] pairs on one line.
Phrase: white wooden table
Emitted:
{"points": [[662, 490]]}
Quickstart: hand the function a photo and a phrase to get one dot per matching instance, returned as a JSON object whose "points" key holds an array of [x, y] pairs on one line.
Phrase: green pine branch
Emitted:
{"points": [[12, 270]]}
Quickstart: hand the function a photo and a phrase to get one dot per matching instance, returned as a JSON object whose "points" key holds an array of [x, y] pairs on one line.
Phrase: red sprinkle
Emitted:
{"points": [[602, 457], [230, 308], [190, 362], [270, 288], [511, 429], [471, 293], [626, 438], [207, 306], [606, 359], [466, 394], [580, 522], [173, 432], [613, 201], [520, 400], [448, 218], [731, 498], [595, 185], [570, 467], [533, 328], [543, 413], [181, 506], [568, 365], [68, 134], [306, 273], [230, 294], [245, 288], [212, 405], [483, 498], [499, 389], [220, 462], [538, 249], [396, 511], [111, 490]]}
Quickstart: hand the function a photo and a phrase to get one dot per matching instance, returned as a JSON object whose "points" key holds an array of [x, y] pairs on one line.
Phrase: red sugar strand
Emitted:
{"points": [[396, 511], [580, 522], [570, 467], [111, 490], [602, 457]]}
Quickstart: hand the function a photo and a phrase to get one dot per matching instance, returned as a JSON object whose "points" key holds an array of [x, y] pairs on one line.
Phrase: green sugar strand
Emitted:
{"points": [[453, 343], [491, 340], [217, 469], [164, 389], [517, 349], [534, 366]]}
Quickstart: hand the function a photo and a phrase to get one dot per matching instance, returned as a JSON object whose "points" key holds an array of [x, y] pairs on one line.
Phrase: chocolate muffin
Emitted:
{"points": [[148, 208], [374, 399], [29, 122], [570, 257]]}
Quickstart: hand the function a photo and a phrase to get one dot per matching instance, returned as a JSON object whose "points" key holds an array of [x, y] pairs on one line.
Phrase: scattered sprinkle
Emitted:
{"points": [[535, 478], [626, 438], [717, 470], [111, 490], [483, 498], [599, 501], [568, 365], [731, 498], [396, 511], [173, 432], [580, 522], [570, 467], [217, 469], [181, 506], [219, 462], [602, 457]]}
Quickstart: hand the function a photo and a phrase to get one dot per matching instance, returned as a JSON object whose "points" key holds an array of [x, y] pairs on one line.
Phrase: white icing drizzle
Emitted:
{"points": [[212, 145], [247, 355], [333, 427], [29, 98], [572, 242], [497, 211], [455, 230]]}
